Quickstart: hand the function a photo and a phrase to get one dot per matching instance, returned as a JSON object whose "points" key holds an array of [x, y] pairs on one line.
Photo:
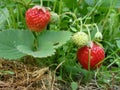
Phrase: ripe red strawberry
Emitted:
{"points": [[37, 18], [96, 54]]}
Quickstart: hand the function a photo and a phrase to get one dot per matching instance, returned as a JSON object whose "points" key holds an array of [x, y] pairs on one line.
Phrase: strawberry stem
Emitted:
{"points": [[89, 56], [77, 21], [96, 27], [54, 6], [41, 3], [35, 41], [89, 50], [88, 33], [60, 7], [81, 24], [73, 15]]}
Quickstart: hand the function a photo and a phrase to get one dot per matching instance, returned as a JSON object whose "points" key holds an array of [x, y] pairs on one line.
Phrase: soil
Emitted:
{"points": [[15, 75]]}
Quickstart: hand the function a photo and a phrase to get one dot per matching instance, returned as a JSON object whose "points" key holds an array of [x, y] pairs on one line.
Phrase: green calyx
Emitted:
{"points": [[98, 36]]}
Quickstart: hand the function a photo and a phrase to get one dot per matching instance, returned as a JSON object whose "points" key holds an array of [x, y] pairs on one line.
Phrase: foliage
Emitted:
{"points": [[73, 14], [16, 45]]}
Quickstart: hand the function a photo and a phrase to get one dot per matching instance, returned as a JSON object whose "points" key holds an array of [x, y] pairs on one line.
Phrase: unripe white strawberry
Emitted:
{"points": [[80, 39]]}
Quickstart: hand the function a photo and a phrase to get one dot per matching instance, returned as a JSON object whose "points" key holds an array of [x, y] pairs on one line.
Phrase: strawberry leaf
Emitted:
{"points": [[15, 44], [11, 39], [43, 52], [48, 41], [53, 38]]}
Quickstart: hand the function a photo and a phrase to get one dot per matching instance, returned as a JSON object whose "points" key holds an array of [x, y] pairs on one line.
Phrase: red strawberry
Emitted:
{"points": [[94, 54], [37, 18]]}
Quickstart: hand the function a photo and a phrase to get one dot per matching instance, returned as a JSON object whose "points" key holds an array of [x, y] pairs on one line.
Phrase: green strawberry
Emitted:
{"points": [[80, 39], [54, 17]]}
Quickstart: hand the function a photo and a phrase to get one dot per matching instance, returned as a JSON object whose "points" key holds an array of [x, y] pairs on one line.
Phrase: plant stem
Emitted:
{"points": [[54, 6], [92, 10], [35, 41], [55, 73], [72, 14], [107, 16], [88, 32], [113, 62], [14, 25], [60, 7], [89, 57], [41, 3], [96, 27], [81, 24], [89, 50]]}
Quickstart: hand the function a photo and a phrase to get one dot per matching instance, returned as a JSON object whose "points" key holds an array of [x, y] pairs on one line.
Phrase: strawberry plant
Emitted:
{"points": [[79, 40], [38, 45], [14, 47]]}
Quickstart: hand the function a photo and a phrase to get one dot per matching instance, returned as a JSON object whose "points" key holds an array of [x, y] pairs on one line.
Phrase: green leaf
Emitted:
{"points": [[73, 29], [118, 43], [48, 41], [105, 3], [4, 14], [90, 2], [70, 3], [10, 40], [108, 3], [42, 52], [54, 38], [74, 86], [117, 5], [15, 44], [26, 1]]}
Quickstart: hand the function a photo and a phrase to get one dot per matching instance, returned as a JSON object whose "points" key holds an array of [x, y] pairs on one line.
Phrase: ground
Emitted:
{"points": [[15, 75]]}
